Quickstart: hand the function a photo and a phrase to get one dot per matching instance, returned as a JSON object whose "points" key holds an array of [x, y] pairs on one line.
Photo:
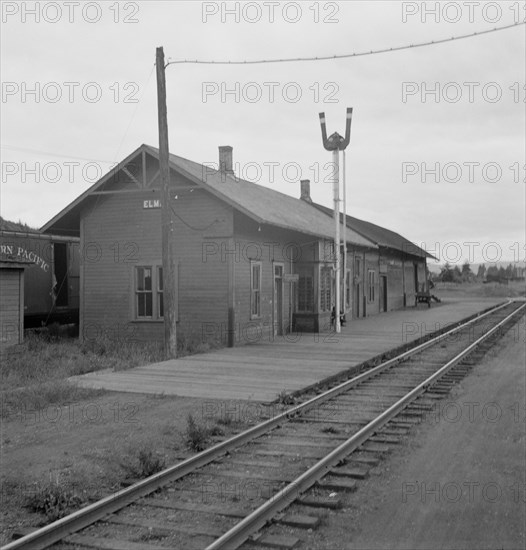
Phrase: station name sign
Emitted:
{"points": [[152, 203]]}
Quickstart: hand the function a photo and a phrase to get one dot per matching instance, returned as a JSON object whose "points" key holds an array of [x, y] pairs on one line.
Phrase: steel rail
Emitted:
{"points": [[61, 528], [259, 517]]}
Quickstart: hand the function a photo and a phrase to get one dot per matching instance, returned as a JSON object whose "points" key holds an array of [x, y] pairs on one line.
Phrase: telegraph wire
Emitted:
{"points": [[135, 111], [342, 56], [193, 228], [47, 153], [117, 164]]}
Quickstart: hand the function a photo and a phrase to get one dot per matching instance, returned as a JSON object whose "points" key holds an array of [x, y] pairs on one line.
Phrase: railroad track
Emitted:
{"points": [[286, 468]]}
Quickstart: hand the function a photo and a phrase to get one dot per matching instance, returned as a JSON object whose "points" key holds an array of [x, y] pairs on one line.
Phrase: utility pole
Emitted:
{"points": [[337, 143], [169, 294]]}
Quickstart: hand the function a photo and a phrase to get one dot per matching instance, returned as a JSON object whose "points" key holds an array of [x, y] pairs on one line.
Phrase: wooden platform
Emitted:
{"points": [[262, 370]]}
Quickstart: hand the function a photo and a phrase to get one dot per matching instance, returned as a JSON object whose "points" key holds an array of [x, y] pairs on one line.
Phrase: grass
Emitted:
{"points": [[143, 462], [284, 398], [197, 434], [492, 289], [69, 490], [54, 500], [42, 357], [34, 374], [330, 430]]}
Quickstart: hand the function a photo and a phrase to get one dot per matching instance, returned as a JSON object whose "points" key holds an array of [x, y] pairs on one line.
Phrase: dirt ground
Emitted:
{"points": [[82, 446], [459, 480]]}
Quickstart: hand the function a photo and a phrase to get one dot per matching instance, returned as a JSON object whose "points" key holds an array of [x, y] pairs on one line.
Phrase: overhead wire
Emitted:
{"points": [[343, 56]]}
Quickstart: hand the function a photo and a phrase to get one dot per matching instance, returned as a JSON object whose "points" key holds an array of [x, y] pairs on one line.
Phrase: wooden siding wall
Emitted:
{"points": [[118, 235], [353, 255], [400, 279], [268, 246], [73, 275], [371, 263], [395, 280], [203, 232], [422, 274], [11, 302], [409, 271]]}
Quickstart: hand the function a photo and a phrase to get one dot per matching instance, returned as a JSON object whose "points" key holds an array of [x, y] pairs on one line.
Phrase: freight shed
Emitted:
{"points": [[252, 263], [400, 267], [11, 302]]}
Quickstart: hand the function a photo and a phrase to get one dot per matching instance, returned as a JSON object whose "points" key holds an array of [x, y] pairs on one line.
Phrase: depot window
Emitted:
{"points": [[255, 290], [306, 291], [149, 292], [325, 288]]}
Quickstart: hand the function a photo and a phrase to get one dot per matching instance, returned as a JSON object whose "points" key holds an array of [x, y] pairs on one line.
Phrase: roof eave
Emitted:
{"points": [[91, 189]]}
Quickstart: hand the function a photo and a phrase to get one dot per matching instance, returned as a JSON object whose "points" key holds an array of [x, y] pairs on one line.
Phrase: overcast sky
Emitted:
{"points": [[437, 149]]}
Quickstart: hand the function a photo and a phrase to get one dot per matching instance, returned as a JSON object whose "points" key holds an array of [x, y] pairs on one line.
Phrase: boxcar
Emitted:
{"points": [[51, 285]]}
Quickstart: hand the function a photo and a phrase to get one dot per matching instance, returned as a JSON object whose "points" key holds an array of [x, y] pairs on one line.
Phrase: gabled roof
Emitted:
{"points": [[380, 235], [264, 205]]}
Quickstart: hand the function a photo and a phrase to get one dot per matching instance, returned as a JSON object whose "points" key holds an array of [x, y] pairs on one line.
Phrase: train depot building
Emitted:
{"points": [[251, 263]]}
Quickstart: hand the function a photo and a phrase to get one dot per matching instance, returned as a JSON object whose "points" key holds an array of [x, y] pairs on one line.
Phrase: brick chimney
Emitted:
{"points": [[225, 159], [305, 191]]}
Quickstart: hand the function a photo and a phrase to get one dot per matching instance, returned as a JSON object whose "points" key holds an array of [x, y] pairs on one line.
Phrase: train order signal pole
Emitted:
{"points": [[337, 240], [337, 143], [169, 294]]}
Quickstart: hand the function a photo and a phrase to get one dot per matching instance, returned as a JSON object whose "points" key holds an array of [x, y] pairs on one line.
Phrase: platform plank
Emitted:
{"points": [[260, 371]]}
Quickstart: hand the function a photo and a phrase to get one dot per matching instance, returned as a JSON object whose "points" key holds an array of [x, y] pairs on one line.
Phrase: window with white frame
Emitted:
{"points": [[160, 293], [348, 288], [148, 292], [306, 291], [325, 288], [255, 289]]}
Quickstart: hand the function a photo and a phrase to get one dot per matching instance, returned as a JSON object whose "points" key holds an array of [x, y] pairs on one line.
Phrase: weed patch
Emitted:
{"points": [[285, 398], [197, 435], [330, 430], [144, 462], [53, 500]]}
